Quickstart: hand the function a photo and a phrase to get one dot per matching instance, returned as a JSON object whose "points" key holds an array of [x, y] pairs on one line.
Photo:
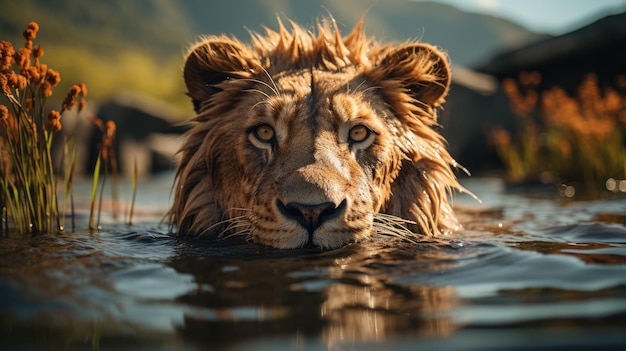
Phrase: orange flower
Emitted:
{"points": [[37, 51], [522, 104], [4, 84], [6, 55], [6, 48], [53, 77], [110, 131], [22, 58], [5, 63], [530, 79], [54, 121], [31, 31], [45, 88], [16, 81], [32, 74], [612, 101], [499, 136], [4, 114], [22, 82], [83, 89], [70, 99], [83, 92], [509, 87], [74, 90], [34, 26], [11, 79]]}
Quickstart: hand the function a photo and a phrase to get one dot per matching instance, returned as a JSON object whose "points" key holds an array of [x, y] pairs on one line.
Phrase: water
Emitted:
{"points": [[529, 271]]}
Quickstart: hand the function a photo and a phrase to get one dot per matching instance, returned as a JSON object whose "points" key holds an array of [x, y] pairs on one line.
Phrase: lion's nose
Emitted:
{"points": [[310, 216]]}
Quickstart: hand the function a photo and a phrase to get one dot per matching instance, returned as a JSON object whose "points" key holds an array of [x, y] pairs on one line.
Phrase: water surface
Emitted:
{"points": [[529, 271]]}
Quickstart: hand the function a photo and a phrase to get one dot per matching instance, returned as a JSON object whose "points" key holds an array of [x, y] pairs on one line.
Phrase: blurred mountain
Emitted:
{"points": [[469, 38], [102, 26], [138, 45], [110, 45], [164, 27]]}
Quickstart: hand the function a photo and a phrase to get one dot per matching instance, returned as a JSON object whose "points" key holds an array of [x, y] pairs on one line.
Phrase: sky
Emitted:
{"points": [[544, 16]]}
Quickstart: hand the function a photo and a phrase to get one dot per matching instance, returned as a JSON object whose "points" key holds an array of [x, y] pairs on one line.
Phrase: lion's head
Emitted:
{"points": [[314, 140]]}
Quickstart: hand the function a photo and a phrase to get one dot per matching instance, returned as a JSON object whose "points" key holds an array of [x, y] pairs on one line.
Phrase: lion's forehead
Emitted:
{"points": [[302, 80], [320, 96]]}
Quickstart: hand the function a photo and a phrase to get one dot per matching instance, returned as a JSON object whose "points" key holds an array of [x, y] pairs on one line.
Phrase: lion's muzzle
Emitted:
{"points": [[311, 216]]}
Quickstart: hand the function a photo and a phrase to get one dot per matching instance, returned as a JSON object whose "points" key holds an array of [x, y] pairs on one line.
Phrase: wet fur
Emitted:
{"points": [[312, 90]]}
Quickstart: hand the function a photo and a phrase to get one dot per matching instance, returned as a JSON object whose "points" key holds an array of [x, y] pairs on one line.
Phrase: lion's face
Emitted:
{"points": [[305, 141], [320, 165]]}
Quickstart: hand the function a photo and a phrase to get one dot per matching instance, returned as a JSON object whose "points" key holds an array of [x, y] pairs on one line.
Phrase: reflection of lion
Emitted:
{"points": [[314, 140]]}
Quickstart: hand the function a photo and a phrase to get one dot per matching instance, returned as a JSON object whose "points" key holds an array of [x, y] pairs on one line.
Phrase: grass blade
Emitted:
{"points": [[94, 192], [132, 201]]}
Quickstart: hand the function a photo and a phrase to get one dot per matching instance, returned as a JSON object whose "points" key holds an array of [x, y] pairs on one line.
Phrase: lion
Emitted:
{"points": [[314, 140]]}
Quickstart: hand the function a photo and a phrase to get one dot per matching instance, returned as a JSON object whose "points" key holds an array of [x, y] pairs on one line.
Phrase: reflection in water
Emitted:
{"points": [[365, 306], [526, 272], [343, 296], [377, 314]]}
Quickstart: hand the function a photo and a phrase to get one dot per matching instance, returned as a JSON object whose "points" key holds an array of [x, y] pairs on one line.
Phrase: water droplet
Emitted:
{"points": [[622, 186], [567, 190], [611, 184]]}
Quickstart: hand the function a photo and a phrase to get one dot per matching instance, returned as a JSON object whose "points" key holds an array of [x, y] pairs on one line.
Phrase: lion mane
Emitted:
{"points": [[314, 140]]}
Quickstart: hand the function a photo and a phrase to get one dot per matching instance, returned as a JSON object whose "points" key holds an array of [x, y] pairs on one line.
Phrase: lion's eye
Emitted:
{"points": [[264, 133], [359, 133]]}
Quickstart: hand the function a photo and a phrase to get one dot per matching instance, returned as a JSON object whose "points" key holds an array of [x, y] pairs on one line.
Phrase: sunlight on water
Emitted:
{"points": [[528, 270]]}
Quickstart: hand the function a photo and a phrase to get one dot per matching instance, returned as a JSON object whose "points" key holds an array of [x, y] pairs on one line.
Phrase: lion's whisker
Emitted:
{"points": [[386, 224], [362, 82], [275, 89], [212, 227], [258, 81], [237, 225], [234, 212], [259, 91], [258, 104], [391, 219], [234, 234], [371, 88]]}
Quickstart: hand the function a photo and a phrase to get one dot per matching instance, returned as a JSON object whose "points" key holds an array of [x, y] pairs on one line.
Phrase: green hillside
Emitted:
{"points": [[138, 45], [110, 45]]}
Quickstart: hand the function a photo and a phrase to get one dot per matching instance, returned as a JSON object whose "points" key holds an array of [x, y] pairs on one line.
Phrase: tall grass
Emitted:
{"points": [[28, 182], [108, 162], [577, 137]]}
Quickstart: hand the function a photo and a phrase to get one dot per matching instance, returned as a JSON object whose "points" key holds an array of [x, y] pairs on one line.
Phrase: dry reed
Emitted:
{"points": [[28, 182], [575, 137]]}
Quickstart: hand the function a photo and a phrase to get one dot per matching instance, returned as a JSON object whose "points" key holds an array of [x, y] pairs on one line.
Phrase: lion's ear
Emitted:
{"points": [[213, 61], [421, 69]]}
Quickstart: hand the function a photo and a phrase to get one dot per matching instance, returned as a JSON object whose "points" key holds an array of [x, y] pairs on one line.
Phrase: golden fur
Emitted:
{"points": [[314, 140]]}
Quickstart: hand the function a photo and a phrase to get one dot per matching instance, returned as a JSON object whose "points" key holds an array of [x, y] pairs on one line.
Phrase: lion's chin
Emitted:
{"points": [[322, 238]]}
